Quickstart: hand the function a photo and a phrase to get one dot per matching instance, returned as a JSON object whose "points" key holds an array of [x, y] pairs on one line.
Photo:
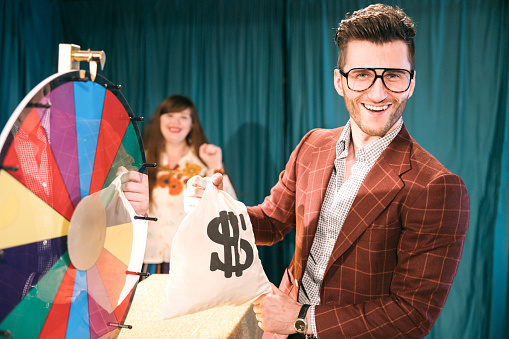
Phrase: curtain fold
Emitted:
{"points": [[261, 75]]}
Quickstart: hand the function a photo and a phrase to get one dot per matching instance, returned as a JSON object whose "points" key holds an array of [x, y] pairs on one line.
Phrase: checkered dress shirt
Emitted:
{"points": [[338, 199]]}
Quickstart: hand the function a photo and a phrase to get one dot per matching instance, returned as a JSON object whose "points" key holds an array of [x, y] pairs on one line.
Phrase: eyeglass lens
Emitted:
{"points": [[394, 80]]}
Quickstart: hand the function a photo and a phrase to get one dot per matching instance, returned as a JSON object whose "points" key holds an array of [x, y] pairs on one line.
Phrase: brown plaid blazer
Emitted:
{"points": [[398, 251]]}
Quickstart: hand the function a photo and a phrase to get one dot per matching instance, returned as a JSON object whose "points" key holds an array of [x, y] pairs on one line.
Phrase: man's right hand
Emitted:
{"points": [[195, 188]]}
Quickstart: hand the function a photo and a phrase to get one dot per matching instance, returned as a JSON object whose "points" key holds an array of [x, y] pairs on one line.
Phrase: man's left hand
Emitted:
{"points": [[276, 312]]}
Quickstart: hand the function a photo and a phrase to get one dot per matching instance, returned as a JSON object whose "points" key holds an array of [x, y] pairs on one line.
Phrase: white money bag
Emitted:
{"points": [[214, 259]]}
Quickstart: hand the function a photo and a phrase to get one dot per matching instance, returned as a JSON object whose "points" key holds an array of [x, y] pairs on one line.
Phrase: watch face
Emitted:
{"points": [[300, 326]]}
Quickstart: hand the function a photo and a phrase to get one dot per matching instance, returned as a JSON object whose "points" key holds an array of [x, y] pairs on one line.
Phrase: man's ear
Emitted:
{"points": [[412, 86], [338, 84]]}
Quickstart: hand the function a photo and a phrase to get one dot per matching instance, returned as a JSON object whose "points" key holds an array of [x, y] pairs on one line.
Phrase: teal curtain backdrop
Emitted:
{"points": [[261, 75]]}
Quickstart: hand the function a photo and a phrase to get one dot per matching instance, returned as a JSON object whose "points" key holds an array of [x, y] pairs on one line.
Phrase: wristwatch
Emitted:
{"points": [[300, 325]]}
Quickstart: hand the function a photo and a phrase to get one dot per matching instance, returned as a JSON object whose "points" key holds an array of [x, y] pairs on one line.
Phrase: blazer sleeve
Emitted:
{"points": [[276, 216], [434, 225]]}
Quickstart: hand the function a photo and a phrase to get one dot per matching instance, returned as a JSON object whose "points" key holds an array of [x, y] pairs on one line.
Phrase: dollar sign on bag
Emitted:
{"points": [[218, 231]]}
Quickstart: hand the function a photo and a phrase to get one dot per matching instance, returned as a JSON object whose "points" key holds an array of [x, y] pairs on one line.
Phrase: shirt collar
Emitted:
{"points": [[344, 141], [370, 152]]}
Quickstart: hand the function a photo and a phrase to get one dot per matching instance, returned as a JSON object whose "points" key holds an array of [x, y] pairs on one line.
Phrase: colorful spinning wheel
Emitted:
{"points": [[64, 143]]}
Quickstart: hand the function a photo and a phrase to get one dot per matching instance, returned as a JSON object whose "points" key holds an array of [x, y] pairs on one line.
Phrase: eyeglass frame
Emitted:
{"points": [[411, 72]]}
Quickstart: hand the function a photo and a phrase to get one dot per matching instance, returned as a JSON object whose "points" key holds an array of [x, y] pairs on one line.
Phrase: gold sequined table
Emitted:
{"points": [[221, 322]]}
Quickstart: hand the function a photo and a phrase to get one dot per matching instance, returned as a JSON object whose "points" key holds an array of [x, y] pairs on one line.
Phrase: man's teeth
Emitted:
{"points": [[376, 108]]}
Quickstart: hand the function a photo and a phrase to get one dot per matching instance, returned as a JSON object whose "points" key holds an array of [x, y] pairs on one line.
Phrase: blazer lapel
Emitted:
{"points": [[379, 188], [323, 164]]}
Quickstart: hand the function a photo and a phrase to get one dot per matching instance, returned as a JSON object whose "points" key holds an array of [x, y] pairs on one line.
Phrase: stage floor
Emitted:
{"points": [[222, 322]]}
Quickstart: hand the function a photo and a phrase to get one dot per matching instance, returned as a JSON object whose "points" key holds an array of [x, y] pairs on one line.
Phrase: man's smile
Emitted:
{"points": [[377, 109]]}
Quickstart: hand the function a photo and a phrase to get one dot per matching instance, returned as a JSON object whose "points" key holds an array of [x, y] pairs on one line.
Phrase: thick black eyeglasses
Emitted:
{"points": [[394, 79]]}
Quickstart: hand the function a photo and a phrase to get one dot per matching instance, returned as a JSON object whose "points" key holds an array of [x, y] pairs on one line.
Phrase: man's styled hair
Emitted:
{"points": [[378, 24]]}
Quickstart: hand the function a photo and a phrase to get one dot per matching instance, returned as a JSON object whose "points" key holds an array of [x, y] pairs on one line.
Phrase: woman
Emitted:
{"points": [[175, 141]]}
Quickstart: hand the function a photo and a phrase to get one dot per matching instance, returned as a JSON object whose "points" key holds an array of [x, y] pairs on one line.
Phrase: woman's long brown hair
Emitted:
{"points": [[154, 141]]}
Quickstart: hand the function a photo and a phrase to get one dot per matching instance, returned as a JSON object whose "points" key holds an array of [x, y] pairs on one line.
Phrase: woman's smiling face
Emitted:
{"points": [[175, 126]]}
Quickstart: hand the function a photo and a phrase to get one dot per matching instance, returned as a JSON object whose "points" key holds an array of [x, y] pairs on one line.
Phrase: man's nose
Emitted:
{"points": [[378, 91]]}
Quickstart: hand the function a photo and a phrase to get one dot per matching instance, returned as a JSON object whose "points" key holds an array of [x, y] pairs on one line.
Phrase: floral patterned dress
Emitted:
{"points": [[168, 207]]}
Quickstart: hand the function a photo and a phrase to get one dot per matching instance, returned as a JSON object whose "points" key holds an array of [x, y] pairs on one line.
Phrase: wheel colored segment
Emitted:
{"points": [[78, 324], [101, 312], [119, 242], [114, 283], [112, 131], [29, 316], [63, 141], [54, 327], [37, 168], [128, 155], [21, 215], [89, 100]]}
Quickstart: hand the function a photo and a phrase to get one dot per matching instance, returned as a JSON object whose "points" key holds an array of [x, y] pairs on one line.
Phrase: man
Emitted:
{"points": [[380, 223]]}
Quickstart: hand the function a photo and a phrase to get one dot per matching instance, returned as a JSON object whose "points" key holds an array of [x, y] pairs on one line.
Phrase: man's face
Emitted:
{"points": [[374, 111]]}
